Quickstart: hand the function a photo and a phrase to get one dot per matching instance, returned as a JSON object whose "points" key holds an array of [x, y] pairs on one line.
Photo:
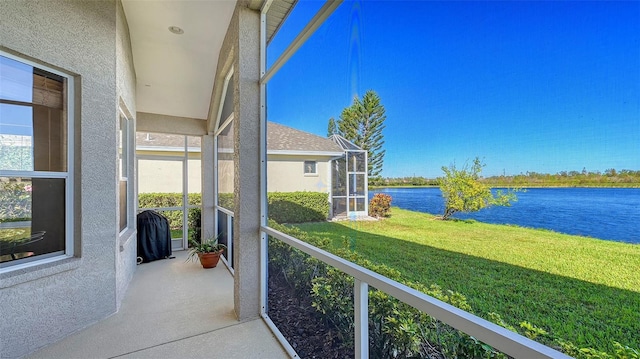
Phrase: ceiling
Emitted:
{"points": [[175, 73]]}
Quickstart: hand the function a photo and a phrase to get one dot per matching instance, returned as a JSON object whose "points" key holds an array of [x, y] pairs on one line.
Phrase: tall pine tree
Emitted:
{"points": [[332, 129], [362, 123]]}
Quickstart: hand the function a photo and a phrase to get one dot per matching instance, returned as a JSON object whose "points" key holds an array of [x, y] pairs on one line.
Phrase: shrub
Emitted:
{"points": [[380, 205], [396, 330], [160, 200], [195, 224], [298, 207]]}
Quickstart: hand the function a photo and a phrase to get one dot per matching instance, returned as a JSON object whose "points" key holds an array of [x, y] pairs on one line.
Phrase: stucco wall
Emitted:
{"points": [[160, 175], [286, 174], [44, 303], [126, 247]]}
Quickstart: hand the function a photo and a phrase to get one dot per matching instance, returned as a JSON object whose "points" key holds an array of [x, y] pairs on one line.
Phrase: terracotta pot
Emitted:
{"points": [[209, 260]]}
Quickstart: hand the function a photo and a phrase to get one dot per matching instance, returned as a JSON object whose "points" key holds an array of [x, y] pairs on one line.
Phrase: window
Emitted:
{"points": [[310, 167], [36, 117], [123, 164]]}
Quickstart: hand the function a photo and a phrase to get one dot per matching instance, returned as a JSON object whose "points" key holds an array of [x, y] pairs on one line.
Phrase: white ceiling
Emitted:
{"points": [[175, 73]]}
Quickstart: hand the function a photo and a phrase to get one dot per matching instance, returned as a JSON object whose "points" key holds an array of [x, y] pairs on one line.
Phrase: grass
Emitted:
{"points": [[580, 289]]}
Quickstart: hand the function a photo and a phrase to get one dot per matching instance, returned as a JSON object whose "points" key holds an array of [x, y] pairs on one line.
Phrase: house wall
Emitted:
{"points": [[286, 174], [43, 303], [126, 86], [165, 176]]}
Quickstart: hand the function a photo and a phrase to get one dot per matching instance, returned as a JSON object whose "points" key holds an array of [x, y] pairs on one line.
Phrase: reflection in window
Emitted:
{"points": [[34, 124], [32, 217], [123, 153]]}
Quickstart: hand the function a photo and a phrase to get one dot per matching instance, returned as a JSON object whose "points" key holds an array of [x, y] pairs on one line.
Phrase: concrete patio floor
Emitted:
{"points": [[172, 309]]}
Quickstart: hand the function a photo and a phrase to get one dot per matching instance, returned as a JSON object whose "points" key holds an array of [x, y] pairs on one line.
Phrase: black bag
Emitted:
{"points": [[154, 237]]}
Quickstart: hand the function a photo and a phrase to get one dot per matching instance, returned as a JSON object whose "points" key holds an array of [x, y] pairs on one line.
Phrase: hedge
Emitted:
{"points": [[298, 207], [156, 200], [284, 207]]}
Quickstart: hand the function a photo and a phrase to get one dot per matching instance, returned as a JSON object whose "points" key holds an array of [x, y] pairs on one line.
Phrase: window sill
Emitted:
{"points": [[311, 175], [126, 237], [36, 270]]}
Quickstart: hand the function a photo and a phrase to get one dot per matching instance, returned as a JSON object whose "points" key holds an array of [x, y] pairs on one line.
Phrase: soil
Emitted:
{"points": [[301, 325]]}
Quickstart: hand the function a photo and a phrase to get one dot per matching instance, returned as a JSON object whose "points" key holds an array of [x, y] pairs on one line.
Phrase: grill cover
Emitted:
{"points": [[154, 236]]}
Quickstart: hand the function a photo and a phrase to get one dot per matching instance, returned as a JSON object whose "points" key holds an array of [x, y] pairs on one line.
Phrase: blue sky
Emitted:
{"points": [[527, 86]]}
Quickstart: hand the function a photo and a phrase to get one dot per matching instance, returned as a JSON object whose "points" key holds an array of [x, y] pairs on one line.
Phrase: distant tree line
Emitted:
{"points": [[609, 178], [403, 181]]}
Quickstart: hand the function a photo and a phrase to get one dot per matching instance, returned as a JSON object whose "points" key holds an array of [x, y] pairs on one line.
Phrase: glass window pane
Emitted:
{"points": [[38, 113], [222, 228], [122, 189], [49, 139], [225, 168], [17, 80], [310, 167], [227, 106], [32, 217]]}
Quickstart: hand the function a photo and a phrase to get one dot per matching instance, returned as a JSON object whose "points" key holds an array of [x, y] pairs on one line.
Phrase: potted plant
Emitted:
{"points": [[208, 251]]}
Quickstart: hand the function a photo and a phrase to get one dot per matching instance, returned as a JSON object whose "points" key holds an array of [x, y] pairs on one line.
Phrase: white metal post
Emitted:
{"points": [[361, 318], [263, 159], [185, 195], [230, 238]]}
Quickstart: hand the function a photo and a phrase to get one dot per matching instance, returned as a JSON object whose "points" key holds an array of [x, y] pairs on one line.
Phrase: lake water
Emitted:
{"points": [[605, 213]]}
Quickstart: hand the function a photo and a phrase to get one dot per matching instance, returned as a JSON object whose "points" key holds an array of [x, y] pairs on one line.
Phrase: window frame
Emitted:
{"points": [[124, 164], [315, 168], [68, 175]]}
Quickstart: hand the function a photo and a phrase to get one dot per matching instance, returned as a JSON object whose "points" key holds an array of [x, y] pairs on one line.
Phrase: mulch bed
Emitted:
{"points": [[301, 325]]}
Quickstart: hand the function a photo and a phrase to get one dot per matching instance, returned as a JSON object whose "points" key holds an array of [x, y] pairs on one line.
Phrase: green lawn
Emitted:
{"points": [[580, 289]]}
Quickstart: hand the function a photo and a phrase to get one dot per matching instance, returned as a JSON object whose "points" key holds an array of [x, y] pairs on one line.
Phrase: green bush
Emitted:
{"points": [[396, 330], [298, 207], [160, 200], [283, 207], [195, 224]]}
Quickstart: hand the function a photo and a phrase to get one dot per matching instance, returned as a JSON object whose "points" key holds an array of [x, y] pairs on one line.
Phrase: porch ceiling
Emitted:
{"points": [[175, 73]]}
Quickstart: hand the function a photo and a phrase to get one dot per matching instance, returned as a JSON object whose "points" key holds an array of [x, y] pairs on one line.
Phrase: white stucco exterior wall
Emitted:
{"points": [[286, 174], [45, 302]]}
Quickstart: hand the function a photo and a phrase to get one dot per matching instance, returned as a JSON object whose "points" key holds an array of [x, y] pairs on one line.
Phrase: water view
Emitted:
{"points": [[605, 213]]}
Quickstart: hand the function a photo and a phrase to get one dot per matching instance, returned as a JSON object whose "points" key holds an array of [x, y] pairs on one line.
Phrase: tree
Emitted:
{"points": [[463, 191], [362, 123], [332, 130]]}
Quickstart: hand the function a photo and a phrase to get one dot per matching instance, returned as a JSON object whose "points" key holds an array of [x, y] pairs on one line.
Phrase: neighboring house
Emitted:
{"points": [[297, 161]]}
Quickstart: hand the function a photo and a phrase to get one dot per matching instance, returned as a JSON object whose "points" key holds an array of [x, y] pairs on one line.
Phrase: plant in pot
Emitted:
{"points": [[208, 251]]}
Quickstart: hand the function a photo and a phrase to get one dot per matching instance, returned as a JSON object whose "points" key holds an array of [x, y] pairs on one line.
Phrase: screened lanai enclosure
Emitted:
{"points": [[349, 181]]}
